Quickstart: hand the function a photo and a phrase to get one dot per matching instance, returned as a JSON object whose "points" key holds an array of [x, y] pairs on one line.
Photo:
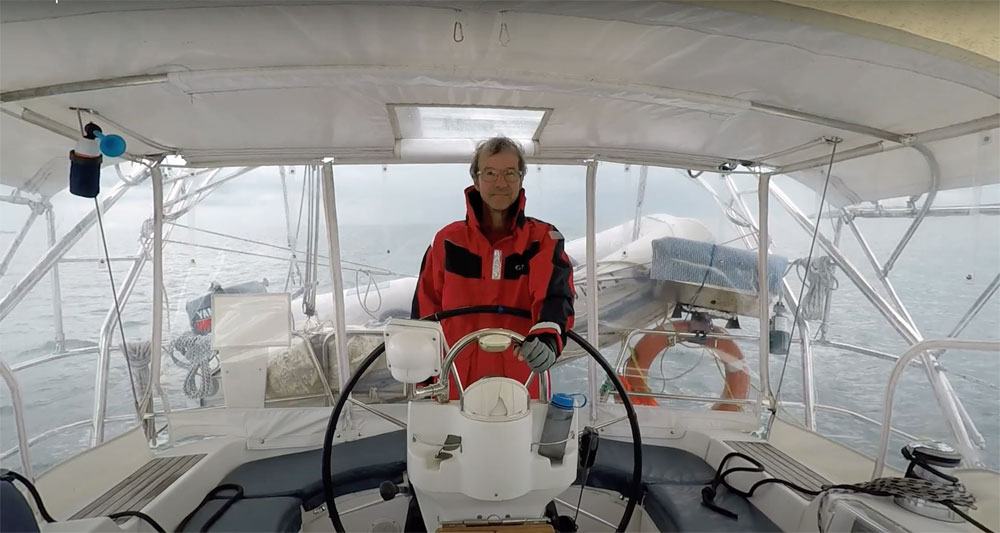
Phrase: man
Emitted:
{"points": [[499, 257]]}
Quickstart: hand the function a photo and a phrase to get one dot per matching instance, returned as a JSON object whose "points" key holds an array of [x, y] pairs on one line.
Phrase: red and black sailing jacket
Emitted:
{"points": [[527, 269]]}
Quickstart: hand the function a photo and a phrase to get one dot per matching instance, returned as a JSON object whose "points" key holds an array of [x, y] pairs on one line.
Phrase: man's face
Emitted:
{"points": [[494, 183]]}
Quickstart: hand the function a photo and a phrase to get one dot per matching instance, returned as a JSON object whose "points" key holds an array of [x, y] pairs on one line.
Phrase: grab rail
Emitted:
{"points": [[22, 435], [912, 353]]}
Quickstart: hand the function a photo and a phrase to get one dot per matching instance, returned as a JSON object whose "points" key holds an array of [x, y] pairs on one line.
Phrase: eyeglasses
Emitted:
{"points": [[491, 174]]}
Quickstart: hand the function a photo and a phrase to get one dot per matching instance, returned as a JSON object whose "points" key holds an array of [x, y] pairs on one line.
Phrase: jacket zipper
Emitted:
{"points": [[497, 258]]}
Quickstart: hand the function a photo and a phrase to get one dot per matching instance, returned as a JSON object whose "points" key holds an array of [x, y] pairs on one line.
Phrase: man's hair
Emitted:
{"points": [[493, 146]]}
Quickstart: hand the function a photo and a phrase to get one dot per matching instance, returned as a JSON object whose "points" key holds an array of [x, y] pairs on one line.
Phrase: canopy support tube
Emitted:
{"points": [[592, 311], [897, 303], [156, 342], [824, 324], [806, 352], [14, 246], [107, 327], [81, 86], [826, 121], [637, 91], [939, 134], [763, 310], [931, 194], [22, 431], [333, 241], [57, 315]]}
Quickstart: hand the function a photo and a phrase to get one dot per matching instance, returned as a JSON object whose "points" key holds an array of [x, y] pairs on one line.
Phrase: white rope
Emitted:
{"points": [[363, 301], [903, 487], [138, 355], [820, 282], [198, 354]]}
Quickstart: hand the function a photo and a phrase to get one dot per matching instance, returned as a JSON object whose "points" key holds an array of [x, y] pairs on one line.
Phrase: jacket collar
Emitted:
{"points": [[474, 208]]}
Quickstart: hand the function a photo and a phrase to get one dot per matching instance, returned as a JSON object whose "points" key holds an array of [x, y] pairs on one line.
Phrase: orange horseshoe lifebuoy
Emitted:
{"points": [[650, 345]]}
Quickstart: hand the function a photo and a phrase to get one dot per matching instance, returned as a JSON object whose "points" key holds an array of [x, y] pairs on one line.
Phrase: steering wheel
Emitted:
{"points": [[635, 487]]}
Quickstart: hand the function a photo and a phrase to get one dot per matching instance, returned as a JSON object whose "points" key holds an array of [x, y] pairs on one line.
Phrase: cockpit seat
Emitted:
{"points": [[276, 488], [612, 469], [358, 465], [678, 508]]}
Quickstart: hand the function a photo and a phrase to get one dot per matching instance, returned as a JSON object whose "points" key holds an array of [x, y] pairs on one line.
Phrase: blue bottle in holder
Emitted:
{"points": [[555, 431]]}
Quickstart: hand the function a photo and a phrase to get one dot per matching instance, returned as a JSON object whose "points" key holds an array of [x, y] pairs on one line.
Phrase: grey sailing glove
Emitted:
{"points": [[539, 351]]}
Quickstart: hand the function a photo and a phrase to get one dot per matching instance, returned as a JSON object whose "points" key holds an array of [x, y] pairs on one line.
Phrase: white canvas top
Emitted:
{"points": [[674, 84]]}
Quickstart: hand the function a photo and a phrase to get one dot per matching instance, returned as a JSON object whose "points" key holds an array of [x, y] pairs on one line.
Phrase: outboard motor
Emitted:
{"points": [[199, 310]]}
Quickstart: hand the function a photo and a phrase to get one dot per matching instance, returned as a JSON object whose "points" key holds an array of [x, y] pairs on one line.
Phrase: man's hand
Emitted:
{"points": [[539, 351]]}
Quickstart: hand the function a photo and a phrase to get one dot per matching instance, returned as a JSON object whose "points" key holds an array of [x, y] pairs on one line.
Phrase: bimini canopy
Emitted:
{"points": [[687, 84]]}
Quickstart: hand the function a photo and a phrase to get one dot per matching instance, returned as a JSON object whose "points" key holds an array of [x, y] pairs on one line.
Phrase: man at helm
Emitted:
{"points": [[499, 257]]}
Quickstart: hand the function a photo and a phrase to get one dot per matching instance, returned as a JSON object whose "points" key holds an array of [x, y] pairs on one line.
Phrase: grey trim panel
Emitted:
{"points": [[780, 465], [139, 488]]}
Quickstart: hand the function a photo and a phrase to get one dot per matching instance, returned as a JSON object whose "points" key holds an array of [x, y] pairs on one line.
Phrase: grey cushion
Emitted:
{"points": [[679, 508], [613, 467], [277, 515], [16, 515], [703, 263], [358, 465]]}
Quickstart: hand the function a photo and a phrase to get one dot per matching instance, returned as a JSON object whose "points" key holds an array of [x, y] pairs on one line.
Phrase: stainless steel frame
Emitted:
{"points": [[57, 315], [54, 357], [145, 252], [935, 170], [752, 241], [22, 433], [19, 238], [57, 430], [939, 134], [38, 208], [442, 389], [808, 378], [333, 240], [918, 349], [880, 273], [910, 212], [156, 340], [945, 396], [824, 325], [593, 320], [852, 414], [57, 251]]}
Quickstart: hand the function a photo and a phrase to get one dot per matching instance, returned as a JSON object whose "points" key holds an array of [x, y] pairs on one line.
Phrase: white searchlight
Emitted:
{"points": [[413, 349]]}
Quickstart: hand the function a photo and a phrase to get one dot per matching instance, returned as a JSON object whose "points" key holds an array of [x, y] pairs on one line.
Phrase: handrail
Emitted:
{"points": [[57, 430], [56, 356], [22, 435], [912, 353], [848, 412]]}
